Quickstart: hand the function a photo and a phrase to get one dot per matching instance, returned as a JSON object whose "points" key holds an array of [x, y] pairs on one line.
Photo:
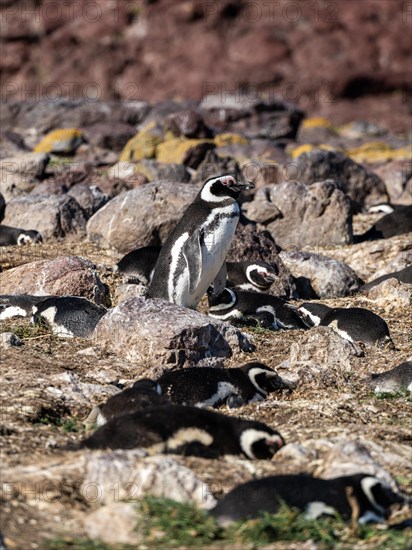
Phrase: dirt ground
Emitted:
{"points": [[36, 424]]}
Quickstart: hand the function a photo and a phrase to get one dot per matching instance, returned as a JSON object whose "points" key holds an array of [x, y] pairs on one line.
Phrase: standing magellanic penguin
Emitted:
{"points": [[245, 307], [355, 324], [194, 254]]}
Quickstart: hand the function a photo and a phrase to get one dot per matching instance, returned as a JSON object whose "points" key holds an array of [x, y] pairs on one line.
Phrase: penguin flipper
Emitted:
{"points": [[192, 251]]}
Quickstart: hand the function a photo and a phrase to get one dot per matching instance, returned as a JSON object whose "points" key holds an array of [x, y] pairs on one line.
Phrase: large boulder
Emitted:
{"points": [[158, 334], [317, 276], [89, 197], [254, 117], [320, 357], [140, 217], [397, 176], [363, 187], [67, 275], [54, 216], [297, 215], [20, 174]]}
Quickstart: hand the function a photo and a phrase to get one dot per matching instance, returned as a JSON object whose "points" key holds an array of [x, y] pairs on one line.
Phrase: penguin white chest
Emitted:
{"points": [[218, 231]]}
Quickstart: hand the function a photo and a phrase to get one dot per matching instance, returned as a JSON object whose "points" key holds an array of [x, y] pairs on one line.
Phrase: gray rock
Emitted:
{"points": [[158, 334], [9, 340], [114, 523], [163, 171], [111, 135], [67, 275], [297, 215], [320, 357], [68, 386], [20, 174], [391, 295], [134, 476], [127, 291], [140, 217], [363, 187], [397, 177], [89, 197], [54, 216], [317, 276], [249, 244], [347, 457], [401, 260], [255, 118], [213, 165], [46, 115]]}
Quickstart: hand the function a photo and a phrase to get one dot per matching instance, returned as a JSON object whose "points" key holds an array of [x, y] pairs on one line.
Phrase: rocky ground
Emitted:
{"points": [[103, 188]]}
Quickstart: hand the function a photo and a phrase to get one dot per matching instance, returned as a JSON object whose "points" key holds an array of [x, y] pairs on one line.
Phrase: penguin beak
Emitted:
{"points": [[241, 186]]}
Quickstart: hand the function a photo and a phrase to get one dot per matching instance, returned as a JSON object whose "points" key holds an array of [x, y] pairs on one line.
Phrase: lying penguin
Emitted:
{"points": [[354, 324], [257, 276], [397, 222], [212, 386], [359, 497], [188, 431], [18, 305], [397, 379], [10, 236], [144, 393], [138, 265], [244, 307], [69, 316], [403, 276]]}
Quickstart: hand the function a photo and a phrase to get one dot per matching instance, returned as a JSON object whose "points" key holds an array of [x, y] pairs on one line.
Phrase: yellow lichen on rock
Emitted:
{"points": [[63, 140], [143, 144], [317, 122], [378, 151], [230, 139], [174, 150], [308, 147]]}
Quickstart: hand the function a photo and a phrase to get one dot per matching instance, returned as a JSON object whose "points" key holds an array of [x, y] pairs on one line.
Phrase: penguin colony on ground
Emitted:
{"points": [[171, 414]]}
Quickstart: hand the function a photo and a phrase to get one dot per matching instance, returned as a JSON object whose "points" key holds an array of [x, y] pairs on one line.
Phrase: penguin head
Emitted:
{"points": [[221, 188], [219, 302], [264, 378], [260, 274], [374, 498], [29, 237], [258, 441], [312, 313]]}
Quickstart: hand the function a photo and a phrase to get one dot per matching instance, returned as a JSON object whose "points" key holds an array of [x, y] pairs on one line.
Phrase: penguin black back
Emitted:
{"points": [[139, 264], [314, 496], [187, 430], [69, 316], [397, 222], [10, 236]]}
